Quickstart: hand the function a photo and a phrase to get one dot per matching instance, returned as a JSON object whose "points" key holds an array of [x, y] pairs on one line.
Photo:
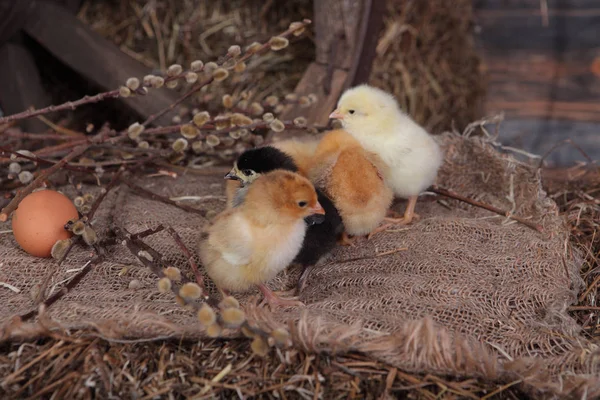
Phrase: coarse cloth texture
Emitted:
{"points": [[461, 292]]}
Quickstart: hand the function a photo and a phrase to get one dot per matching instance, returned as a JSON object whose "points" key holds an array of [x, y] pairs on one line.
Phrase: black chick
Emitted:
{"points": [[323, 230]]}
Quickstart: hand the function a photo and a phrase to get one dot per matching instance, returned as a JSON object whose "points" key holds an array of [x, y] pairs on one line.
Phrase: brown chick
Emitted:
{"points": [[250, 244], [353, 179]]}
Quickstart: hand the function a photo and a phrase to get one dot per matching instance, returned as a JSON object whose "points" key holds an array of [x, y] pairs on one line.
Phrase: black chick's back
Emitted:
{"points": [[321, 237]]}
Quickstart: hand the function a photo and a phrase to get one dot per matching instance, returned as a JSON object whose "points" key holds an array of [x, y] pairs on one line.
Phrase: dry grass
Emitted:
{"points": [[86, 367], [427, 58], [577, 192]]}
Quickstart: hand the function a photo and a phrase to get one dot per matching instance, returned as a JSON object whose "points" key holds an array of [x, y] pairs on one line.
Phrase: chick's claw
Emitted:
{"points": [[346, 240], [274, 300]]}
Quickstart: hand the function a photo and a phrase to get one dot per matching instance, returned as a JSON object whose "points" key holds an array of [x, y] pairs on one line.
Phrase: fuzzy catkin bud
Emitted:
{"points": [[234, 50], [291, 97], [189, 131], [174, 70], [197, 147], [240, 119], [210, 67], [313, 98], [281, 337], [272, 101], [133, 83], [242, 104], [214, 330], [234, 135], [278, 43], [78, 201], [304, 101], [278, 108], [256, 108], [220, 74], [259, 346], [212, 140], [135, 284], [173, 273], [144, 145], [124, 91], [147, 80], [78, 228], [158, 82], [171, 84], [297, 27], [227, 101], [228, 302], [190, 291], [191, 77], [164, 285], [222, 123], [201, 118], [268, 117], [253, 47], [233, 317], [14, 168], [60, 248], [206, 315], [196, 65], [240, 67], [89, 236], [135, 130], [300, 122], [180, 145], [277, 126], [25, 177], [230, 63]]}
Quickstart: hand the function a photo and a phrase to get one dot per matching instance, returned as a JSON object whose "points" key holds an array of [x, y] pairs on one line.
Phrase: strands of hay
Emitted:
{"points": [[160, 33], [577, 192], [427, 58], [87, 367]]}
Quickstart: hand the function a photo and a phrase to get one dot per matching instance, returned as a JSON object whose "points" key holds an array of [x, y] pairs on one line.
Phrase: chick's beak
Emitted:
{"points": [[336, 114], [232, 176], [317, 209]]}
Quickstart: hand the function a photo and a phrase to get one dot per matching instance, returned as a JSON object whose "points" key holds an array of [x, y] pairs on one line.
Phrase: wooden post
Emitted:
{"points": [[346, 33]]}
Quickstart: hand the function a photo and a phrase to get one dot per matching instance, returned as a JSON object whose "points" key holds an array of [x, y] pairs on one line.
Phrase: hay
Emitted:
{"points": [[426, 56]]}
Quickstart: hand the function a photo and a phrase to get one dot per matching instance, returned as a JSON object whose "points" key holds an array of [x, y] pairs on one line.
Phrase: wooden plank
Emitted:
{"points": [[93, 57], [346, 35], [20, 84], [543, 71]]}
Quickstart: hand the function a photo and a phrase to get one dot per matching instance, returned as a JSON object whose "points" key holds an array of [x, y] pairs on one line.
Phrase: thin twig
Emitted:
{"points": [[70, 105], [67, 288], [12, 206], [154, 196], [39, 160], [190, 257], [456, 196], [111, 184]]}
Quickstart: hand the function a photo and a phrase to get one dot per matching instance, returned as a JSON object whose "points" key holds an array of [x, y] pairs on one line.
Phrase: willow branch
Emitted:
{"points": [[456, 196]]}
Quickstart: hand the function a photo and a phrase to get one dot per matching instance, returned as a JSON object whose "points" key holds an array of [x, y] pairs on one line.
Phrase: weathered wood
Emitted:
{"points": [[543, 70], [14, 14], [92, 56], [20, 84], [346, 36]]}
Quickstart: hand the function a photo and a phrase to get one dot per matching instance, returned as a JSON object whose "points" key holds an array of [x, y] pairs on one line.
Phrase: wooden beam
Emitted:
{"points": [[20, 84], [92, 56], [346, 38]]}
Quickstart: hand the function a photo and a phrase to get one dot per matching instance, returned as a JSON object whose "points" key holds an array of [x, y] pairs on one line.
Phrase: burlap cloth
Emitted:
{"points": [[473, 294]]}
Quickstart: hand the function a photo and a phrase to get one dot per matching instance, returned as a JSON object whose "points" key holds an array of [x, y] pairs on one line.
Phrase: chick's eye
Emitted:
{"points": [[302, 204], [351, 111], [247, 172]]}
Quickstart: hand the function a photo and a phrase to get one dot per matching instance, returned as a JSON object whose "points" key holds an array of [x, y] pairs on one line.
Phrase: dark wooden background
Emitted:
{"points": [[543, 70]]}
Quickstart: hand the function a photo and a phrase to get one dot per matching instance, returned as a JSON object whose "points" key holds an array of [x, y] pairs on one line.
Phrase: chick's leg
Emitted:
{"points": [[275, 300], [409, 215], [346, 240]]}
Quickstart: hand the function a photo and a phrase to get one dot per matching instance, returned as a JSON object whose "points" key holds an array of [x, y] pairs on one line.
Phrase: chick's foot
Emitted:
{"points": [[274, 300], [346, 240]]}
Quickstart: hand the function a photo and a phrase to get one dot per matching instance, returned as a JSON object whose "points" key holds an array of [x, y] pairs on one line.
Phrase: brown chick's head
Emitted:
{"points": [[364, 107], [282, 196]]}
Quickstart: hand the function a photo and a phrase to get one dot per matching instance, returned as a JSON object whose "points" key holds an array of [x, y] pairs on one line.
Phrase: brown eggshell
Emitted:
{"points": [[39, 221]]}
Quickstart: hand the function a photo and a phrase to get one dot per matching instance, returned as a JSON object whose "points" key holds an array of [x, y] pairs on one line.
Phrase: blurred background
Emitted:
{"points": [[536, 62]]}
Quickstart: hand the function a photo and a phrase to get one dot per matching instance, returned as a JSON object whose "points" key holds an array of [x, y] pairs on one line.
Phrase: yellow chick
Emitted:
{"points": [[250, 244], [353, 179], [410, 153]]}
